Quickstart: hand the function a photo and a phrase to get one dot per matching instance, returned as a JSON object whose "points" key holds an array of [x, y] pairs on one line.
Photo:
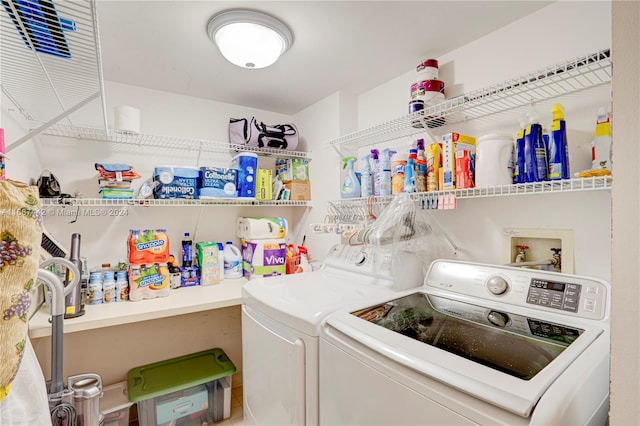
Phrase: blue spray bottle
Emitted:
{"points": [[535, 152], [409, 173], [375, 161], [519, 175], [350, 185], [366, 180], [558, 148]]}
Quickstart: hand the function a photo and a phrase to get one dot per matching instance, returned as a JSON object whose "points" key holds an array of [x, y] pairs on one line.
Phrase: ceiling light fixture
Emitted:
{"points": [[249, 39]]}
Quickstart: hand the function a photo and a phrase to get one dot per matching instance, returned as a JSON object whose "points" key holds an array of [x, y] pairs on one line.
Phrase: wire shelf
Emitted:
{"points": [[178, 202], [158, 141], [568, 77], [50, 58], [346, 207]]}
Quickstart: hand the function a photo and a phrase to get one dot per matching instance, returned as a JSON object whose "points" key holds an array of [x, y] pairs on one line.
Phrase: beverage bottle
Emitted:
{"points": [[109, 287], [187, 251], [122, 286], [94, 289]]}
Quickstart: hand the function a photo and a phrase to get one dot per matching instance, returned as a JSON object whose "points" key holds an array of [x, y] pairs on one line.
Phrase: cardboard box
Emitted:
{"points": [[299, 190], [264, 185], [452, 142], [292, 169], [263, 258]]}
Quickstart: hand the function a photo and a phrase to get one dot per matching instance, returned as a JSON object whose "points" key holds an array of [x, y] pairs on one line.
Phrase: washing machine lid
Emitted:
{"points": [[302, 301], [507, 359]]}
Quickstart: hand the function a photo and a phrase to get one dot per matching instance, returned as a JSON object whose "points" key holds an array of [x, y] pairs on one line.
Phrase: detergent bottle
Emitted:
{"points": [[409, 172], [558, 148], [535, 151], [519, 175], [366, 180], [350, 184], [385, 171], [601, 145], [375, 160]]}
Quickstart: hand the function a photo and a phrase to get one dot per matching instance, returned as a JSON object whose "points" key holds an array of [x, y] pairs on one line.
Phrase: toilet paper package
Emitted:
{"points": [[263, 258], [176, 182], [246, 163], [260, 228], [218, 182]]}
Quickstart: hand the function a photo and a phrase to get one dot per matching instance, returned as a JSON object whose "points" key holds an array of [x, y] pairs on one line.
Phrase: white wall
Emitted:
{"points": [[477, 225]]}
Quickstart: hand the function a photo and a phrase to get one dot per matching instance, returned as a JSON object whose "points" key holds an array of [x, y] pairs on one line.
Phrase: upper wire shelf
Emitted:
{"points": [[157, 141], [567, 77], [50, 60], [174, 202], [346, 207]]}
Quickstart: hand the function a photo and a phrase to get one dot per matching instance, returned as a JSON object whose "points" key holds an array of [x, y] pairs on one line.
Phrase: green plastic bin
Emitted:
{"points": [[191, 388]]}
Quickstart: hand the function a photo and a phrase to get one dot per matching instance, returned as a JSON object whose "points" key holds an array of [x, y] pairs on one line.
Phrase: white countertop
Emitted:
{"points": [[180, 301]]}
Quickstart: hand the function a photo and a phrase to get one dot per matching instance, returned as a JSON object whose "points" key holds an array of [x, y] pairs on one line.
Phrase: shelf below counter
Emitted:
{"points": [[179, 302]]}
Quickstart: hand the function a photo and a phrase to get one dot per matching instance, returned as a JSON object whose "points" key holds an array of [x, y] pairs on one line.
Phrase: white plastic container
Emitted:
{"points": [[494, 160], [232, 261]]}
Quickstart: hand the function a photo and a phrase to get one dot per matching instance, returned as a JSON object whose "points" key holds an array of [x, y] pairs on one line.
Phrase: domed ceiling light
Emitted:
{"points": [[249, 39]]}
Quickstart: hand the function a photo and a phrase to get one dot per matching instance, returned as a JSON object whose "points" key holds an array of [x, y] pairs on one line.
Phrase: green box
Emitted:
{"points": [[194, 387]]}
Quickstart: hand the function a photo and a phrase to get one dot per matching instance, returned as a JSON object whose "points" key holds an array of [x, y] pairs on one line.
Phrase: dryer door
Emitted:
{"points": [[273, 362]]}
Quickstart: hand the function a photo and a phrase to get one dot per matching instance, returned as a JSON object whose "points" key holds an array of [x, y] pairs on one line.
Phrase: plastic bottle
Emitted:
{"points": [[409, 173], [385, 171], [221, 260], [433, 166], [558, 147], [94, 289], [398, 164], [350, 184], [366, 180], [187, 251], [421, 167], [375, 171], [122, 286], [519, 175], [109, 287], [232, 261], [601, 145], [535, 152]]}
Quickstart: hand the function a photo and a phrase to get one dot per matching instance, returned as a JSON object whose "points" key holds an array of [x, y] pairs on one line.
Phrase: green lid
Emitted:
{"points": [[176, 374]]}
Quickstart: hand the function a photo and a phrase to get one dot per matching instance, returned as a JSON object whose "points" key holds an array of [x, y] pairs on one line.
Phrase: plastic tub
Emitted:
{"points": [[115, 405], [494, 160]]}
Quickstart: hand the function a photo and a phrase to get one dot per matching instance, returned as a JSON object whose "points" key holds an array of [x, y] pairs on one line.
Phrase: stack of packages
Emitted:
{"points": [[292, 179], [115, 180], [263, 246], [149, 276]]}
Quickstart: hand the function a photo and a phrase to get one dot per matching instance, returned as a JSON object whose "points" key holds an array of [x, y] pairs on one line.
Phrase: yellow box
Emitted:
{"points": [[264, 185]]}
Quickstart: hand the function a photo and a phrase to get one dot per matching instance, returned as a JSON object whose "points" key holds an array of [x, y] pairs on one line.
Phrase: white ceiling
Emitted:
{"points": [[338, 45]]}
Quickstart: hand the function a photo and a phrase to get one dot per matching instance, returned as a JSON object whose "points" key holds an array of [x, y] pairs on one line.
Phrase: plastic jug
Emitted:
{"points": [[232, 261]]}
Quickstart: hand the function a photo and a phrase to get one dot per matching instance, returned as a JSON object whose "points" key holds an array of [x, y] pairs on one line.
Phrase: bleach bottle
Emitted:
{"points": [[366, 180], [350, 185], [232, 261], [385, 171], [558, 148]]}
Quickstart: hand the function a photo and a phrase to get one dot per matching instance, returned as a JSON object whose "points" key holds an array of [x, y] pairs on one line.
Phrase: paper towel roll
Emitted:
{"points": [[127, 119], [258, 228]]}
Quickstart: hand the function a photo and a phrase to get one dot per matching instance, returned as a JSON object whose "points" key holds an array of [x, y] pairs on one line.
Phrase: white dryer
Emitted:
{"points": [[281, 317], [477, 344]]}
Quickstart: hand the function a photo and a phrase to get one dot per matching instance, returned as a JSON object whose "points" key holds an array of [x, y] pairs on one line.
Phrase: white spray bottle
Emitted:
{"points": [[366, 180], [385, 171]]}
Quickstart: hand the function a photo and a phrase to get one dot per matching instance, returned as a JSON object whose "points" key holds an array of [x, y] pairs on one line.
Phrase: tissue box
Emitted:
{"points": [[187, 390], [299, 190], [218, 182], [452, 142], [176, 182], [289, 169], [207, 255], [264, 187], [263, 258]]}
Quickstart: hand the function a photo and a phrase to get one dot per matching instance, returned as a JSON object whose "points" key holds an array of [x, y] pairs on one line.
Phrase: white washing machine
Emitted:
{"points": [[281, 317], [477, 344]]}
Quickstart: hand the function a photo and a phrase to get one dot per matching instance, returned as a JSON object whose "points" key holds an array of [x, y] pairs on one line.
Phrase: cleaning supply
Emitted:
{"points": [[519, 175], [366, 180], [409, 172], [398, 165], [385, 171], [535, 152], [221, 260], [187, 251], [433, 166], [558, 148], [232, 261], [350, 184], [494, 160], [375, 171], [601, 145], [3, 174], [421, 167]]}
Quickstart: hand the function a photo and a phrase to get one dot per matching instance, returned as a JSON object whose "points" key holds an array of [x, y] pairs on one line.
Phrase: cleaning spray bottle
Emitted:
{"points": [[366, 180], [385, 171], [535, 151], [350, 184], [375, 170], [409, 172], [558, 148], [601, 145], [519, 175], [421, 167]]}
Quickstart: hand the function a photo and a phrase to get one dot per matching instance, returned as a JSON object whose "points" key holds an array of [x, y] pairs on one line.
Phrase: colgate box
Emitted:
{"points": [[263, 258]]}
